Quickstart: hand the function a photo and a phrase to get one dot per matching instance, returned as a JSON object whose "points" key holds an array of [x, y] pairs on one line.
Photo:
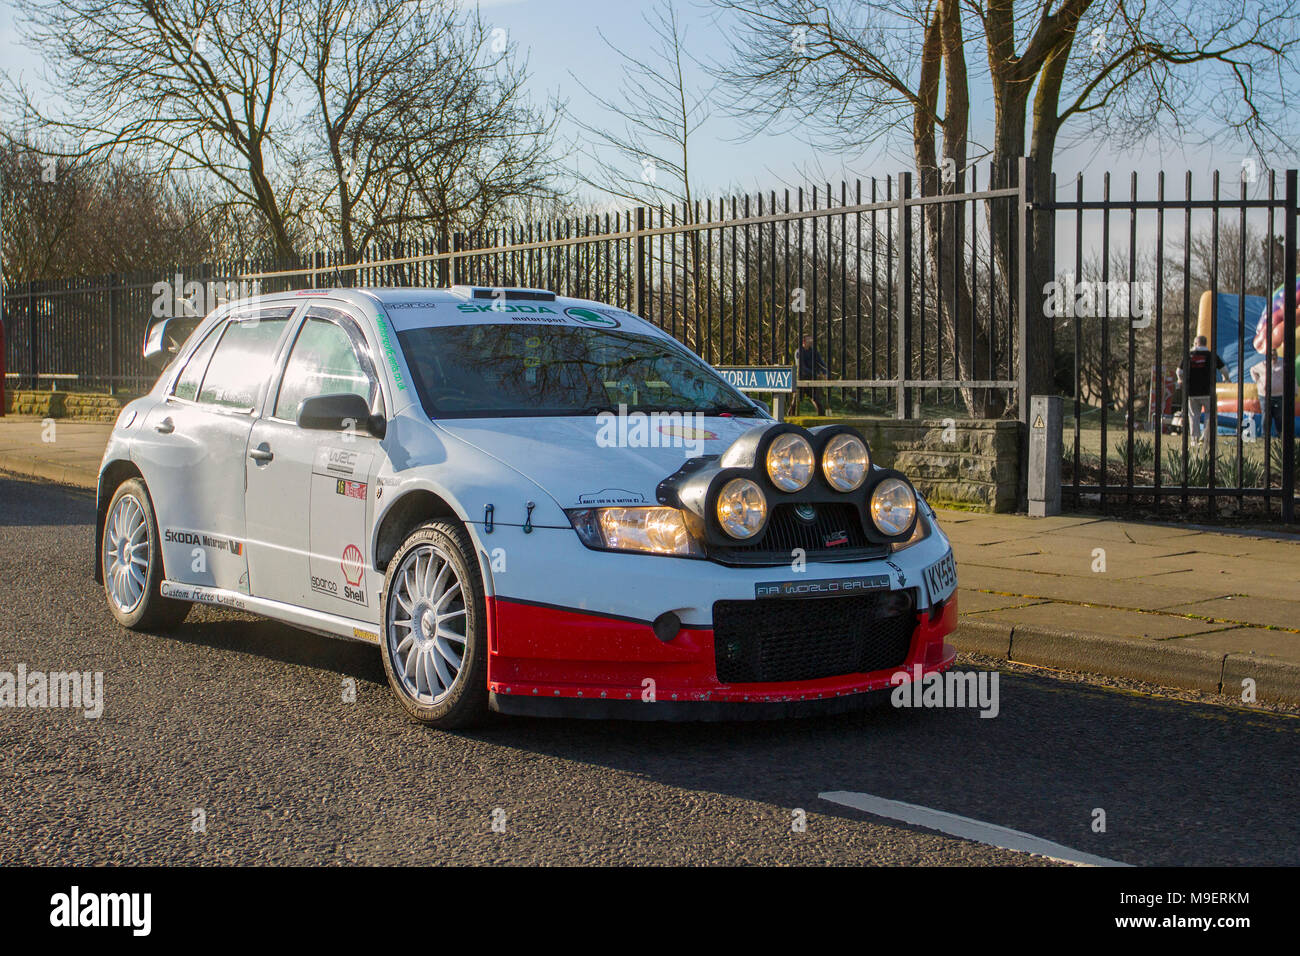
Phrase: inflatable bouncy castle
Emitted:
{"points": [[1230, 321]]}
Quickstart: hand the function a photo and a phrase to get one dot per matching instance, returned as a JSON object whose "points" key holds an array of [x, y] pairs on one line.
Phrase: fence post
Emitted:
{"points": [[640, 262], [1020, 272], [1024, 203], [113, 282], [903, 340], [31, 333], [1289, 350]]}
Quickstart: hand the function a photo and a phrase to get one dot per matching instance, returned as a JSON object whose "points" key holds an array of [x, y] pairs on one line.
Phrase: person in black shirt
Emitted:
{"points": [[1200, 370], [811, 366]]}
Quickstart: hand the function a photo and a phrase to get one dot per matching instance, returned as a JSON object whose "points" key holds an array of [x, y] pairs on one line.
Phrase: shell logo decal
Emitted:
{"points": [[351, 564]]}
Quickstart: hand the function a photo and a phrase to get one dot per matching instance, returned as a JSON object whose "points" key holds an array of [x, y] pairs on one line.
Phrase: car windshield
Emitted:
{"points": [[502, 371]]}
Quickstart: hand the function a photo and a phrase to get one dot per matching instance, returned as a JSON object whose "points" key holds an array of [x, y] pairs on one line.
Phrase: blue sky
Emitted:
{"points": [[560, 36]]}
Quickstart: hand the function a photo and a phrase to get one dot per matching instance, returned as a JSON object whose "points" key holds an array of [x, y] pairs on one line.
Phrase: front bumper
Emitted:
{"points": [[547, 660]]}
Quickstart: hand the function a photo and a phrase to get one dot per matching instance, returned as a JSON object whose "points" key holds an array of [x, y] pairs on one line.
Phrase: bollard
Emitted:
{"points": [[1044, 456]]}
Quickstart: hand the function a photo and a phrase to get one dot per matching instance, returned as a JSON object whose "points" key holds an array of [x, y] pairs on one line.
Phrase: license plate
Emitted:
{"points": [[941, 577]]}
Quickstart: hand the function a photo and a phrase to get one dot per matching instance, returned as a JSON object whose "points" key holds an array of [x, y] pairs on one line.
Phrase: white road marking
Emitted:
{"points": [[965, 827]]}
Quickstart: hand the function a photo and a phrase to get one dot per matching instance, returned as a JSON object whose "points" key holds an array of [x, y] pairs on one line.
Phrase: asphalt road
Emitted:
{"points": [[245, 720]]}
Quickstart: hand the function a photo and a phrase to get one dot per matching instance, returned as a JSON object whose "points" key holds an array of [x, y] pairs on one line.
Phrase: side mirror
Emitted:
{"points": [[164, 339], [339, 413]]}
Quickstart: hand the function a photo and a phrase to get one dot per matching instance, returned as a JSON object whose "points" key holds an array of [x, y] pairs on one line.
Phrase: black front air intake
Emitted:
{"points": [[793, 639]]}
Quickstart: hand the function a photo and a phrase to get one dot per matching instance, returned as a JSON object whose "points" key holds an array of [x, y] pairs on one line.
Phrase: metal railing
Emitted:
{"points": [[1172, 249], [740, 281]]}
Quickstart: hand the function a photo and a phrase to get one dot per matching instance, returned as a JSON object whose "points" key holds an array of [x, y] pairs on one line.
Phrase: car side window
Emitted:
{"points": [[243, 359], [187, 383], [324, 361]]}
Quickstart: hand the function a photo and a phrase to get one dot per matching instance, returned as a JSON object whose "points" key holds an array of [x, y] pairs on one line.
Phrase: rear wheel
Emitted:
{"points": [[132, 563], [435, 627]]}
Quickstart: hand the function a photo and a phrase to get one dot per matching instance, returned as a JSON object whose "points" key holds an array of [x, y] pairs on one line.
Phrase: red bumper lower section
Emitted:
{"points": [[543, 652]]}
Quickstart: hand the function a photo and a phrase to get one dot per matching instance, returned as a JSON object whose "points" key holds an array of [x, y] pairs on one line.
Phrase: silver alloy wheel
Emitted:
{"points": [[126, 553], [426, 624]]}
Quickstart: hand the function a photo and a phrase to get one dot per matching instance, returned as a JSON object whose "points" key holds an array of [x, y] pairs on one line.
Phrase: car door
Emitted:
{"points": [[309, 499], [192, 446]]}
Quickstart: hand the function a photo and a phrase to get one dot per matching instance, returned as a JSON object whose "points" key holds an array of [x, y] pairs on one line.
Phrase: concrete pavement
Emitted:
{"points": [[1170, 604], [1211, 611], [53, 449]]}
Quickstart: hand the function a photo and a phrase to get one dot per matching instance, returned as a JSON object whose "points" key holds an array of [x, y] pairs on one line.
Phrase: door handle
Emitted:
{"points": [[166, 426], [261, 453]]}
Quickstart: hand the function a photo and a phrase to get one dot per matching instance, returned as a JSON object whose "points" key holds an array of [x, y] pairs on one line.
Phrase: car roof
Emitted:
{"points": [[409, 307]]}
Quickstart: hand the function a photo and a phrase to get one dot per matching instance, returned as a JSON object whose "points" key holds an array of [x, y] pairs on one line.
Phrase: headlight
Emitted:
{"points": [[649, 530], [790, 462], [893, 506], [845, 462], [742, 509], [919, 533]]}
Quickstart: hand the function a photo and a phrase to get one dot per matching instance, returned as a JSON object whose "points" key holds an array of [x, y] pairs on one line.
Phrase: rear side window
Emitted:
{"points": [[187, 385], [243, 360]]}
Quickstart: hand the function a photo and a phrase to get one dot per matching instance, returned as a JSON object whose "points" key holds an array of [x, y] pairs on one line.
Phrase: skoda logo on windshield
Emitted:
{"points": [[592, 317]]}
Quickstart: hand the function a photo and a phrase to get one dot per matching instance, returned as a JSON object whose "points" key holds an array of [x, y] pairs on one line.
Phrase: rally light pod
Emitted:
{"points": [[822, 436], [875, 478], [695, 487]]}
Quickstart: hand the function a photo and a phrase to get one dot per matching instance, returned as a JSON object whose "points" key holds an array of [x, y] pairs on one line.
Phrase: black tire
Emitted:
{"points": [[466, 701], [152, 612]]}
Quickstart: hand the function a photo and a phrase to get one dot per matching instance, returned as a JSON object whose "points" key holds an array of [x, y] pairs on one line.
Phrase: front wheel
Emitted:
{"points": [[132, 563], [435, 627]]}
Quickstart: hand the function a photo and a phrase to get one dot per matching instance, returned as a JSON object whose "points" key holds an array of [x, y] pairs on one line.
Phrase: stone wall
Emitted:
{"points": [[74, 405], [957, 463]]}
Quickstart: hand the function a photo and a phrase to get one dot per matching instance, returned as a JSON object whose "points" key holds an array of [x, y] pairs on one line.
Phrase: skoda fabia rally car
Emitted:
{"points": [[531, 504]]}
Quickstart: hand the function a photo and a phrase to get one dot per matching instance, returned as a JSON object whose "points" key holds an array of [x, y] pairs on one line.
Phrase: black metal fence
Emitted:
{"points": [[1138, 278], [916, 301], [739, 280]]}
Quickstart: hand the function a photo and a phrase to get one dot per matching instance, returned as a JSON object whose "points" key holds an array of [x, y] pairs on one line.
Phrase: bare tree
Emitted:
{"points": [[367, 120], [422, 119], [190, 86], [79, 217], [644, 156]]}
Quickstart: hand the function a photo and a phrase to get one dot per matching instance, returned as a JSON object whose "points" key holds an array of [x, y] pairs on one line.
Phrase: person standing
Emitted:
{"points": [[811, 366], [1268, 376], [1200, 370]]}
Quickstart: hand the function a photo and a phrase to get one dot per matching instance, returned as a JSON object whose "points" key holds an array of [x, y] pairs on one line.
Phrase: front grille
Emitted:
{"points": [[790, 639], [786, 531]]}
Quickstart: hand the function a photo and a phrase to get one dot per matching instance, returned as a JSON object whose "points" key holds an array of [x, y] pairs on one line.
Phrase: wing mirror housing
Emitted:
{"points": [[164, 339], [341, 412]]}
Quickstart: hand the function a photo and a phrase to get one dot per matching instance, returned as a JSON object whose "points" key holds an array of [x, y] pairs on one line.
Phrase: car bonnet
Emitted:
{"points": [[599, 460]]}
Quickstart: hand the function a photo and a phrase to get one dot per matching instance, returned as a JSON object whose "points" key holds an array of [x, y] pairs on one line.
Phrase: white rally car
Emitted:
{"points": [[531, 504]]}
